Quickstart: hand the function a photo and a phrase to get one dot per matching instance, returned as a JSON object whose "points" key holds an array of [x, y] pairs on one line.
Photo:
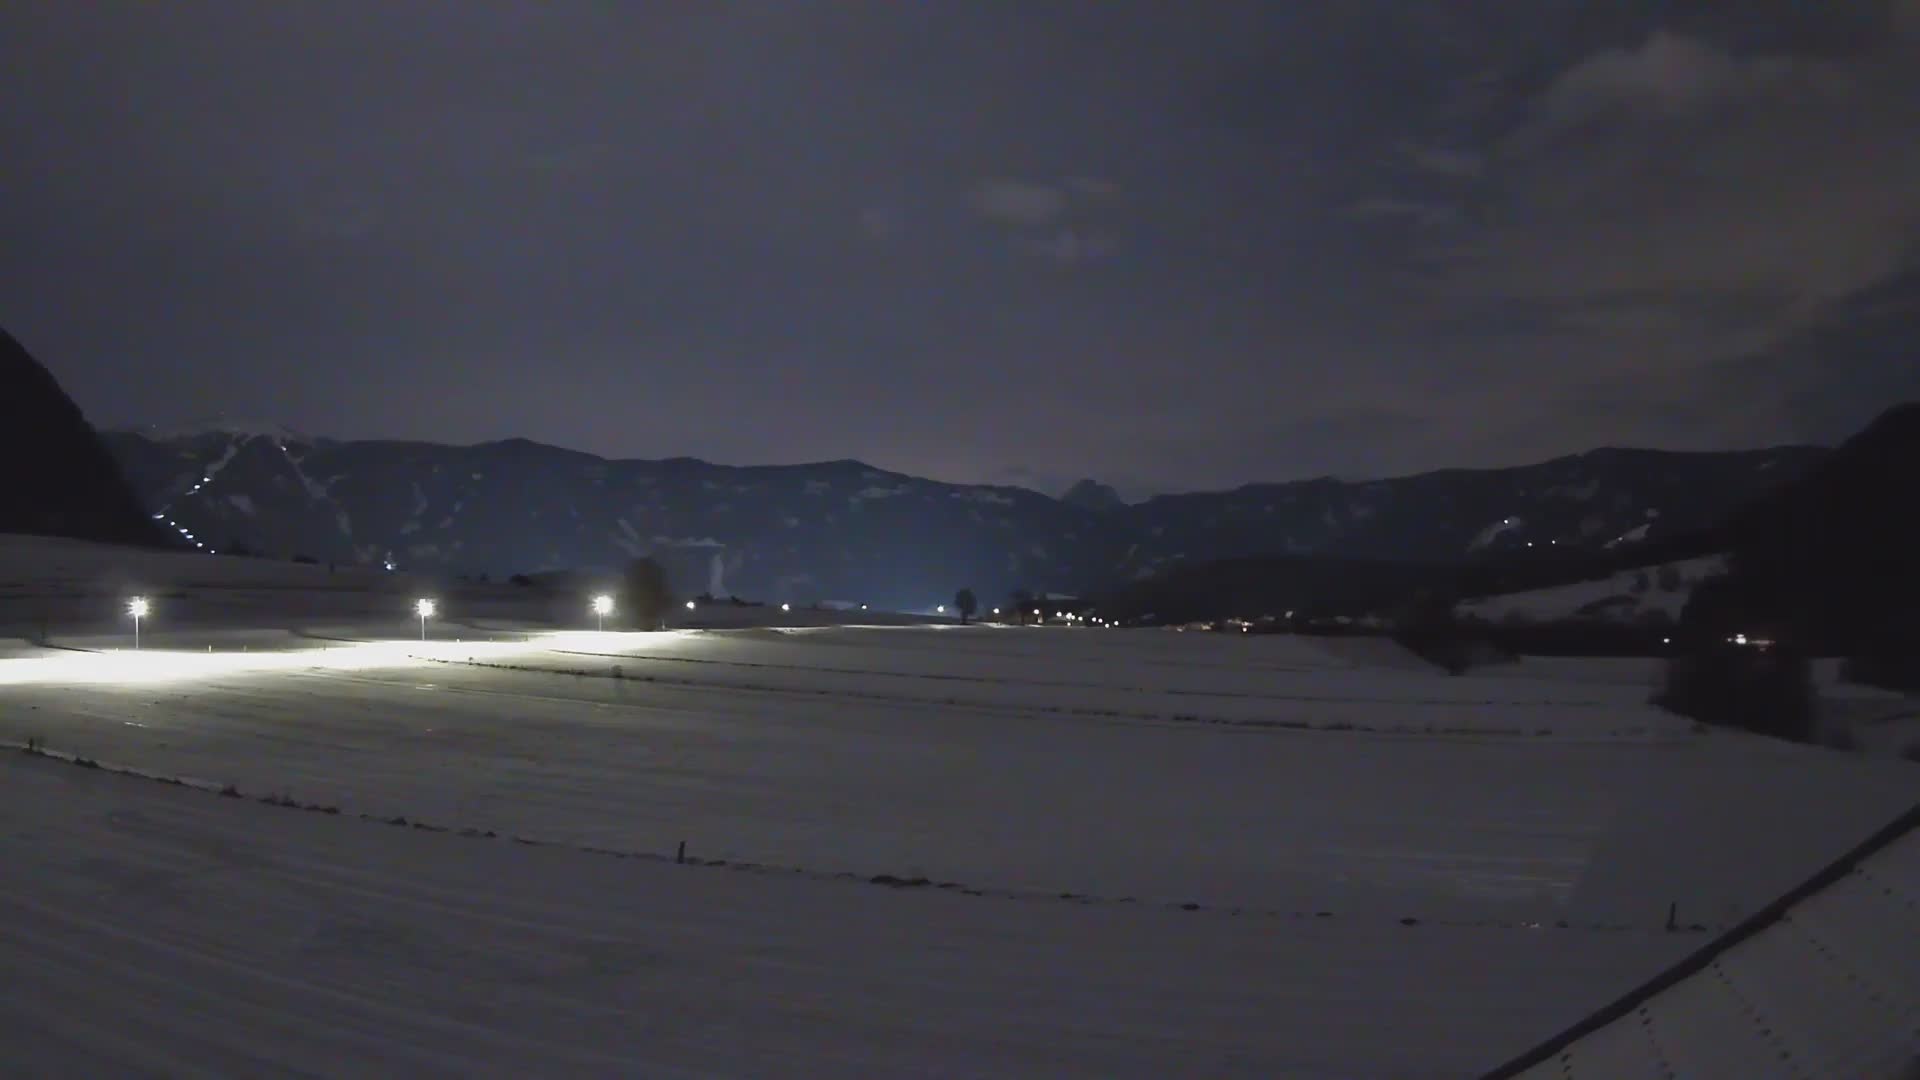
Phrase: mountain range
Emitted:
{"points": [[847, 531]]}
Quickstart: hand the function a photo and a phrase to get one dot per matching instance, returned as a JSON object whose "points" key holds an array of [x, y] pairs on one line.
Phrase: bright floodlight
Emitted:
{"points": [[942, 609], [423, 608], [689, 605], [786, 607], [137, 607], [603, 605]]}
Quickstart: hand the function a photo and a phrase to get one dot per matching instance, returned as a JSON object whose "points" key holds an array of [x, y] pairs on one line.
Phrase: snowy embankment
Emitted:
{"points": [[962, 851], [1825, 983]]}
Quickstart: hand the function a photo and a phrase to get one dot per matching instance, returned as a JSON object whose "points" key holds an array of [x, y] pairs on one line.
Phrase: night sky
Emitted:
{"points": [[1165, 245]]}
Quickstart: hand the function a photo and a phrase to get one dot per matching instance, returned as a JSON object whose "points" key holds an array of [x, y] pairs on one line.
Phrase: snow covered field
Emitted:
{"points": [[949, 851]]}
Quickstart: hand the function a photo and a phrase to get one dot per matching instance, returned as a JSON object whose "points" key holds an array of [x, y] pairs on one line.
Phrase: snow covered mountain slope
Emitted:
{"points": [[846, 531], [1655, 594]]}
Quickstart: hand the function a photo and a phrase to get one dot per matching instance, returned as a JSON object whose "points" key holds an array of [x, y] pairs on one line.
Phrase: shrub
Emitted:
{"points": [[1888, 668], [1765, 691]]}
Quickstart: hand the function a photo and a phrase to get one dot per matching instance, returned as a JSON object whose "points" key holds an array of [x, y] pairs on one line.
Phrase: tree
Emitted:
{"points": [[1022, 604], [966, 603], [1429, 629], [645, 594], [1768, 691]]}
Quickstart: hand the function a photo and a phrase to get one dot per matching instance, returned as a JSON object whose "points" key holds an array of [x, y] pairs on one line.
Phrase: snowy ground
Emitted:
{"points": [[1627, 597], [1144, 853]]}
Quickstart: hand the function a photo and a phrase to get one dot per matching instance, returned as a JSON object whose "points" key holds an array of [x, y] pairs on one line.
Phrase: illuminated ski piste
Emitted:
{"points": [[158, 666]]}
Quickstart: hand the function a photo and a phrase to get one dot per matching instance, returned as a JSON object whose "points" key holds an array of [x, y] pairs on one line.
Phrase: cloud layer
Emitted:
{"points": [[1171, 248]]}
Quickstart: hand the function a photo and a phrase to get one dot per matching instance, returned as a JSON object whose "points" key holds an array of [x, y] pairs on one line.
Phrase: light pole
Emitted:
{"points": [[424, 609], [602, 607], [137, 607]]}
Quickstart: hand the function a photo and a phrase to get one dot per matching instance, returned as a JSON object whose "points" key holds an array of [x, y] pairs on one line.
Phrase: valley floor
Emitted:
{"points": [[926, 850]]}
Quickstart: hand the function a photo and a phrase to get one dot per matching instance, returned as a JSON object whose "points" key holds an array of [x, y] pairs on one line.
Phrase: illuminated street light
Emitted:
{"points": [[602, 607], [689, 605], [423, 608], [940, 610], [137, 607], [786, 607]]}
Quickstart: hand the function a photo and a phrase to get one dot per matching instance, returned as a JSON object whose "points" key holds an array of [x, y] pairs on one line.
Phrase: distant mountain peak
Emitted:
{"points": [[1092, 495]]}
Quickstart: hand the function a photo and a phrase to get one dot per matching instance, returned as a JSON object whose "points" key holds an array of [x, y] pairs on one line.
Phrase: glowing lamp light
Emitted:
{"points": [[423, 608], [786, 607], [689, 605], [137, 607], [602, 607], [940, 610]]}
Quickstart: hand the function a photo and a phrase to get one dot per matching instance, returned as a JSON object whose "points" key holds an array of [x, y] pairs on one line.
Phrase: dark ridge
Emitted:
{"points": [[62, 481]]}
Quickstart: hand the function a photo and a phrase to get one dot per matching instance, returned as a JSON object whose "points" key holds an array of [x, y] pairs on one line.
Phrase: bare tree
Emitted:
{"points": [[646, 593]]}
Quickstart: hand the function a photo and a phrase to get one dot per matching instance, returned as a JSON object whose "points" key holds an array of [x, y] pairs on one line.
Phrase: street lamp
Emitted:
{"points": [[689, 605], [786, 607], [602, 607], [941, 610], [423, 608], [137, 607]]}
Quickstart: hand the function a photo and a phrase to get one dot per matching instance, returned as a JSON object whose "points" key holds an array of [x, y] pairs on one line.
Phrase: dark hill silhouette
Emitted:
{"points": [[61, 480], [1835, 555]]}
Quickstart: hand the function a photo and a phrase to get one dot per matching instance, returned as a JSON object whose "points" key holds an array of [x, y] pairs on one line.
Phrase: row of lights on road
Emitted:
{"points": [[423, 608]]}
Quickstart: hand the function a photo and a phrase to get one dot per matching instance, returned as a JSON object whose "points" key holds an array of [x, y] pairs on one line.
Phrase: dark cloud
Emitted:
{"points": [[1163, 247]]}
